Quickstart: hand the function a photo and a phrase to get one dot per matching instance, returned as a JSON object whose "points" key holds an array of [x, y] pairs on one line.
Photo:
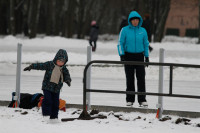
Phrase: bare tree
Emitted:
{"points": [[161, 10], [80, 17], [63, 17], [4, 9], [25, 10], [50, 17], [33, 19], [87, 16], [199, 24], [70, 18], [12, 17]]}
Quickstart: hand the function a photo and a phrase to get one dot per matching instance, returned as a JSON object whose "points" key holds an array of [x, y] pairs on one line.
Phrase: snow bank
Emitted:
{"points": [[191, 40], [31, 121]]}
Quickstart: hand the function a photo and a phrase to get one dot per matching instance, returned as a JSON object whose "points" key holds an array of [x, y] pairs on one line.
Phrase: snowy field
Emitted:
{"points": [[23, 121], [186, 81]]}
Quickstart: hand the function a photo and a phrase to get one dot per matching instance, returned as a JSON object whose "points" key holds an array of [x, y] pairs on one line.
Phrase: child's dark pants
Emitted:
{"points": [[50, 104]]}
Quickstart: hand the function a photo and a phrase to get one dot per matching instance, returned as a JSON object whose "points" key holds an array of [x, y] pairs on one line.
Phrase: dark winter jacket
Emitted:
{"points": [[147, 25], [48, 67], [94, 33], [123, 23], [27, 101]]}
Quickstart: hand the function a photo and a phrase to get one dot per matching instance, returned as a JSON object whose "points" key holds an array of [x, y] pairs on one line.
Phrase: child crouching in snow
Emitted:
{"points": [[56, 73]]}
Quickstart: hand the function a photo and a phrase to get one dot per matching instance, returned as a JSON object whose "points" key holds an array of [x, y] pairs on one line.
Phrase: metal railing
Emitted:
{"points": [[170, 94]]}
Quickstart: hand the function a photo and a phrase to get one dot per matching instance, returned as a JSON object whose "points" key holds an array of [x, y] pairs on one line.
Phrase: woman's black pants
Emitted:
{"points": [[135, 70]]}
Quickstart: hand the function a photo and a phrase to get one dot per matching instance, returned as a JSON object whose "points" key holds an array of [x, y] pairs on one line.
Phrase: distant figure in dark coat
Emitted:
{"points": [[124, 22], [94, 32], [147, 25]]}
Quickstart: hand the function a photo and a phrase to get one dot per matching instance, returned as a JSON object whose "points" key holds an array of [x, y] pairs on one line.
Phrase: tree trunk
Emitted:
{"points": [[63, 16], [199, 24], [53, 11], [70, 18], [12, 17], [4, 13], [161, 14], [50, 17], [59, 15], [34, 17], [25, 23], [80, 21], [152, 16], [87, 17]]}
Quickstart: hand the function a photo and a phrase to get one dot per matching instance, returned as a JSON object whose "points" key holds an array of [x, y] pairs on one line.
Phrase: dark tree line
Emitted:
{"points": [[72, 17]]}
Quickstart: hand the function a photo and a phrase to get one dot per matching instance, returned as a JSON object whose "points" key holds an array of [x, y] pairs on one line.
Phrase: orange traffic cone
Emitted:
{"points": [[157, 114]]}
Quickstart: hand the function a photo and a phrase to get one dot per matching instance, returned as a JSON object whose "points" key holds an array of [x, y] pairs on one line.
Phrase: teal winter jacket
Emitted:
{"points": [[133, 39]]}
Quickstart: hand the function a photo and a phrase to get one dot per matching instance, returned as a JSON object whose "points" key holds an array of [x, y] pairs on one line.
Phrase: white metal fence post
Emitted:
{"points": [[18, 74], [161, 82], [88, 80]]}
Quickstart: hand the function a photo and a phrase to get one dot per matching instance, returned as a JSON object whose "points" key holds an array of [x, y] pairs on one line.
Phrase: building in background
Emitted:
{"points": [[183, 18]]}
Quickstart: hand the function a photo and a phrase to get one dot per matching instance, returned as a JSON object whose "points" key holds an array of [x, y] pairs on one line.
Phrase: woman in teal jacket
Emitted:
{"points": [[133, 46]]}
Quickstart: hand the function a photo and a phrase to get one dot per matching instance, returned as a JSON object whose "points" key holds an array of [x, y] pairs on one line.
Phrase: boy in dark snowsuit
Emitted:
{"points": [[56, 73]]}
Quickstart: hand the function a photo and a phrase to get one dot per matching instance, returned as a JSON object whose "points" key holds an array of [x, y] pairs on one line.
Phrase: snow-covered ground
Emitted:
{"points": [[186, 81], [21, 121]]}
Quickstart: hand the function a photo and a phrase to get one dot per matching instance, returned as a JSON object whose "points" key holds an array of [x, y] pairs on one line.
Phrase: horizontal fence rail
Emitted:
{"points": [[170, 65]]}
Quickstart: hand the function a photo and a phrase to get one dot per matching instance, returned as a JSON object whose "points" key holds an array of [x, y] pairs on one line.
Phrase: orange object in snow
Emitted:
{"points": [[62, 104], [157, 114]]}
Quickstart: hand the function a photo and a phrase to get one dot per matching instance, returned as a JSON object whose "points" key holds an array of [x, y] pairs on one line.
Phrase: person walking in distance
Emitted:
{"points": [[94, 31], [133, 46]]}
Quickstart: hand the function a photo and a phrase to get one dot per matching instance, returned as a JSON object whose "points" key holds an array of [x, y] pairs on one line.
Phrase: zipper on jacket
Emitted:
{"points": [[135, 39]]}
